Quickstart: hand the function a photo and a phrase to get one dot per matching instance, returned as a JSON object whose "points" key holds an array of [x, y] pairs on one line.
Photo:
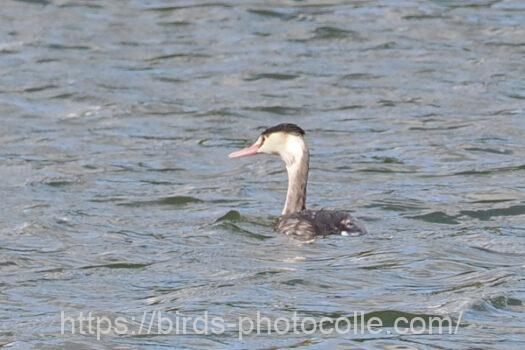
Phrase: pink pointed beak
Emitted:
{"points": [[248, 151]]}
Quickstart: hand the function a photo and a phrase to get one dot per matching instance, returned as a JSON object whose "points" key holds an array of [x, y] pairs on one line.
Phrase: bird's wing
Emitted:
{"points": [[330, 222]]}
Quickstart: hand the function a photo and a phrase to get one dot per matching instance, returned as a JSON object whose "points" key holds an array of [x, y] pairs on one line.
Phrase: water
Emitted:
{"points": [[118, 197]]}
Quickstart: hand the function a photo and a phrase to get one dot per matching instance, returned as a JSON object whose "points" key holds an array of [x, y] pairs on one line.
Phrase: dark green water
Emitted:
{"points": [[118, 197]]}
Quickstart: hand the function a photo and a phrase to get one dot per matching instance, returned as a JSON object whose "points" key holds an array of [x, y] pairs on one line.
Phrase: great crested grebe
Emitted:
{"points": [[287, 141]]}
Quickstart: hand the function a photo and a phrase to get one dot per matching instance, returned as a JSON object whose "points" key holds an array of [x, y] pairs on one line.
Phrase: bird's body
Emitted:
{"points": [[307, 224], [287, 141]]}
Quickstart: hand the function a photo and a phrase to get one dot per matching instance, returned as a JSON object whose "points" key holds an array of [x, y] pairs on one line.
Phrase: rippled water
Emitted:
{"points": [[118, 197]]}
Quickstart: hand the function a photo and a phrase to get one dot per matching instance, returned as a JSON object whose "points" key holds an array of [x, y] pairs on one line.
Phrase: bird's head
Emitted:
{"points": [[285, 140]]}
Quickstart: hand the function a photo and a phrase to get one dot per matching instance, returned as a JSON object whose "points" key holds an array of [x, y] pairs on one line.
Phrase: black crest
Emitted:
{"points": [[286, 127]]}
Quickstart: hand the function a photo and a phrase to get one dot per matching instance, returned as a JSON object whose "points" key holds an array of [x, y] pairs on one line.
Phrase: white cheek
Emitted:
{"points": [[272, 145], [266, 148]]}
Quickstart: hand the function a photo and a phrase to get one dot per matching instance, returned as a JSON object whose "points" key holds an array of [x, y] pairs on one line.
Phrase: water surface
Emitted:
{"points": [[118, 197]]}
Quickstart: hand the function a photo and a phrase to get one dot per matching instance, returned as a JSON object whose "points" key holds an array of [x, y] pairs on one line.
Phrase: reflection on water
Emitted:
{"points": [[118, 197]]}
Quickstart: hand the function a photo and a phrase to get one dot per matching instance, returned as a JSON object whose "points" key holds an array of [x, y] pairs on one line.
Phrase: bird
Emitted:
{"points": [[287, 141]]}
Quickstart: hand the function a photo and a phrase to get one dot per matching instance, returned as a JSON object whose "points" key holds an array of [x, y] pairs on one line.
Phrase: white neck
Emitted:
{"points": [[296, 156]]}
